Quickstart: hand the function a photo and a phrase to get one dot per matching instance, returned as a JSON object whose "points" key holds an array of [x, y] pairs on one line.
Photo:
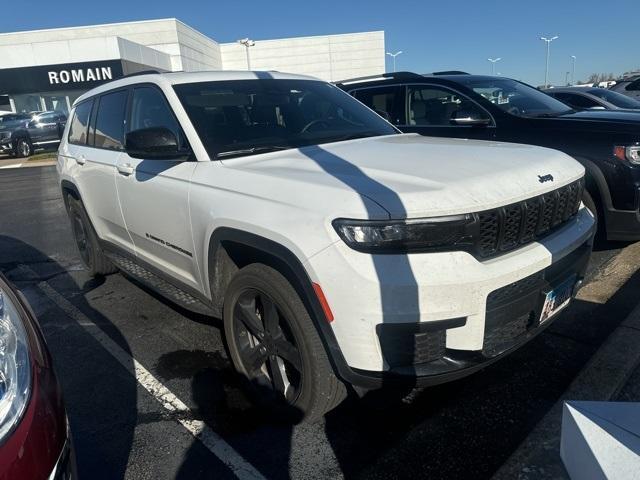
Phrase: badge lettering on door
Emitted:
{"points": [[168, 244]]}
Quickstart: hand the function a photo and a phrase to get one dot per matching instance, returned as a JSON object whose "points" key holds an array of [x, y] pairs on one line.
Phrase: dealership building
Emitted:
{"points": [[49, 69]]}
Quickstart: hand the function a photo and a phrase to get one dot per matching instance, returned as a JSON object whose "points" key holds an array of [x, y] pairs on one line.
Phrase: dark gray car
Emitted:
{"points": [[593, 98], [22, 134]]}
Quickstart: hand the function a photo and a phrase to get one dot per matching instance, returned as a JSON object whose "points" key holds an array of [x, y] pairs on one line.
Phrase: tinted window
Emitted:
{"points": [[635, 85], [386, 101], [575, 100], [12, 118], [429, 105], [618, 99], [513, 97], [246, 117], [80, 123], [109, 129], [150, 109]]}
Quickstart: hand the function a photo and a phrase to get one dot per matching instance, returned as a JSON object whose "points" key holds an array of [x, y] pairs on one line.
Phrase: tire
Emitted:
{"points": [[304, 386], [23, 148], [87, 241]]}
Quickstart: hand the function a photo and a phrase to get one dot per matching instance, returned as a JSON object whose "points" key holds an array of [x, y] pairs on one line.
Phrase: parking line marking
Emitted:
{"points": [[199, 429]]}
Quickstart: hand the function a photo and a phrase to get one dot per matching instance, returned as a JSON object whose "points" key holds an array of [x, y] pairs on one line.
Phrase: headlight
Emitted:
{"points": [[416, 235], [15, 368], [629, 153]]}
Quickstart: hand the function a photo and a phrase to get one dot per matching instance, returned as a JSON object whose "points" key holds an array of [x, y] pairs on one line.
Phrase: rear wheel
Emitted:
{"points": [[273, 343], [23, 148], [87, 242]]}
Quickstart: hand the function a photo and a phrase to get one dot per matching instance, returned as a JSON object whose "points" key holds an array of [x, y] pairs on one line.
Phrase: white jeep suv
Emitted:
{"points": [[336, 250]]}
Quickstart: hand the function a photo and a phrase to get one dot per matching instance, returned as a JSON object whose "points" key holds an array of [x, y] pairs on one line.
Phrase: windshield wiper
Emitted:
{"points": [[553, 115], [249, 151], [351, 136]]}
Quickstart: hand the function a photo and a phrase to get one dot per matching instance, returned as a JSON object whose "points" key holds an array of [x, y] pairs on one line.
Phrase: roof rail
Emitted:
{"points": [[383, 76], [141, 72], [450, 72]]}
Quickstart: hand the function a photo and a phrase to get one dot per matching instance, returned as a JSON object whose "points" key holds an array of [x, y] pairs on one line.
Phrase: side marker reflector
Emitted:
{"points": [[323, 302]]}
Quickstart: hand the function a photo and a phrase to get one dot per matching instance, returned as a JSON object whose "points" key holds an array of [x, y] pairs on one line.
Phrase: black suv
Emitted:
{"points": [[456, 104], [22, 134]]}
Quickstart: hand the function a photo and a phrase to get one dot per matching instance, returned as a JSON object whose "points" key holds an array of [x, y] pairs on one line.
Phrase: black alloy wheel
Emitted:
{"points": [[266, 345]]}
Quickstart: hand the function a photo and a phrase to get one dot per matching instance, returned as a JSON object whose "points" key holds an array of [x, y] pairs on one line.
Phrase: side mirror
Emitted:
{"points": [[157, 143], [469, 118]]}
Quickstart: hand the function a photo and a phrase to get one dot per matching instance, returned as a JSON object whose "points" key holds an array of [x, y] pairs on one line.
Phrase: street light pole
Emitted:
{"points": [[573, 69], [394, 55], [247, 43], [546, 71], [493, 64]]}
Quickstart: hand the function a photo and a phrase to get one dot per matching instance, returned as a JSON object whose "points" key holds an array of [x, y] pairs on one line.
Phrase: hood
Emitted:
{"points": [[414, 176], [613, 116]]}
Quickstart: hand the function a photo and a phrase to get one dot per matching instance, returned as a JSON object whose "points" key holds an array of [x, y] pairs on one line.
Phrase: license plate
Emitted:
{"points": [[557, 299]]}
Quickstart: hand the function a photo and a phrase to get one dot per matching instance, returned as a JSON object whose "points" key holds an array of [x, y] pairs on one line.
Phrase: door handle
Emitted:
{"points": [[81, 160], [125, 169]]}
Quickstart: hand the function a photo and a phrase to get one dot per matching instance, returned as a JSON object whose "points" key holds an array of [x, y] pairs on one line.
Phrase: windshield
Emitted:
{"points": [[515, 97], [618, 99], [244, 117], [13, 118]]}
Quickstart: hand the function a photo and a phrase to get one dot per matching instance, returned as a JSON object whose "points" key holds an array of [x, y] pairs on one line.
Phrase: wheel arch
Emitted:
{"points": [[69, 189], [231, 249], [596, 184]]}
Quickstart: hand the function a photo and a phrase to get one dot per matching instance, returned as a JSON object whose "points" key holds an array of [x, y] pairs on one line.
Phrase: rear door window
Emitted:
{"points": [[80, 124], [386, 101], [436, 106], [109, 124]]}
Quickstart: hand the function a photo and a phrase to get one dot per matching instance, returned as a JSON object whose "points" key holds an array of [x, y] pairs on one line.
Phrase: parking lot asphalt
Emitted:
{"points": [[465, 429]]}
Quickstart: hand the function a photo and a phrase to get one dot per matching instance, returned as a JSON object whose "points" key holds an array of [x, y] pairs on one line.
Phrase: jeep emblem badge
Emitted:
{"points": [[545, 178]]}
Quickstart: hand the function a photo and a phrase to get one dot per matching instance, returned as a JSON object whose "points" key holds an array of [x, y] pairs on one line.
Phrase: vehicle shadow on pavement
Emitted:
{"points": [[100, 393]]}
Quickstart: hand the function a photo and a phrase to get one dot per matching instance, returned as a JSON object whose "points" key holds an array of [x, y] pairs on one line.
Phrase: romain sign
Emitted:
{"points": [[80, 75], [67, 76]]}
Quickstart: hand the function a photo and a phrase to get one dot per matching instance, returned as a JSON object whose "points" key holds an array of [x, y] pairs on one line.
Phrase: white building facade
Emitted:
{"points": [[49, 69]]}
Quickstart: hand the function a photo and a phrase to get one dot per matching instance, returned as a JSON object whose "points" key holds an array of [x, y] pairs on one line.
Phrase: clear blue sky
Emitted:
{"points": [[434, 35]]}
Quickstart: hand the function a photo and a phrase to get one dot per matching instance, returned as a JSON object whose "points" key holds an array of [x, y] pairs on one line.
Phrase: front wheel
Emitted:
{"points": [[87, 242], [273, 343], [23, 148]]}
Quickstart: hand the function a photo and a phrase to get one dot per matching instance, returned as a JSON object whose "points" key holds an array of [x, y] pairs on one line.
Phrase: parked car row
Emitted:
{"points": [[326, 239], [21, 134], [455, 104]]}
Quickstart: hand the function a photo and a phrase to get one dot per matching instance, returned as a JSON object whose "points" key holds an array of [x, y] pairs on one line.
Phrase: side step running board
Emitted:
{"points": [[158, 284]]}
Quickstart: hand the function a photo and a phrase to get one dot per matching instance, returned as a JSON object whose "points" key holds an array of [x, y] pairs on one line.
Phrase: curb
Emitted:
{"points": [[28, 164], [538, 456]]}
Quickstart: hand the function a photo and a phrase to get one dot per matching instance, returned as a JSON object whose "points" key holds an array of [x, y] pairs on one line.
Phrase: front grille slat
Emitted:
{"points": [[506, 228]]}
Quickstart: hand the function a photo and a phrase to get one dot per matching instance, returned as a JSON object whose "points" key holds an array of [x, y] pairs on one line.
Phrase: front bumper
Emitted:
{"points": [[445, 302], [623, 225], [6, 146]]}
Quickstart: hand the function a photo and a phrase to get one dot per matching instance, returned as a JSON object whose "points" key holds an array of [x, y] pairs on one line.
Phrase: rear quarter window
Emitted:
{"points": [[80, 123]]}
